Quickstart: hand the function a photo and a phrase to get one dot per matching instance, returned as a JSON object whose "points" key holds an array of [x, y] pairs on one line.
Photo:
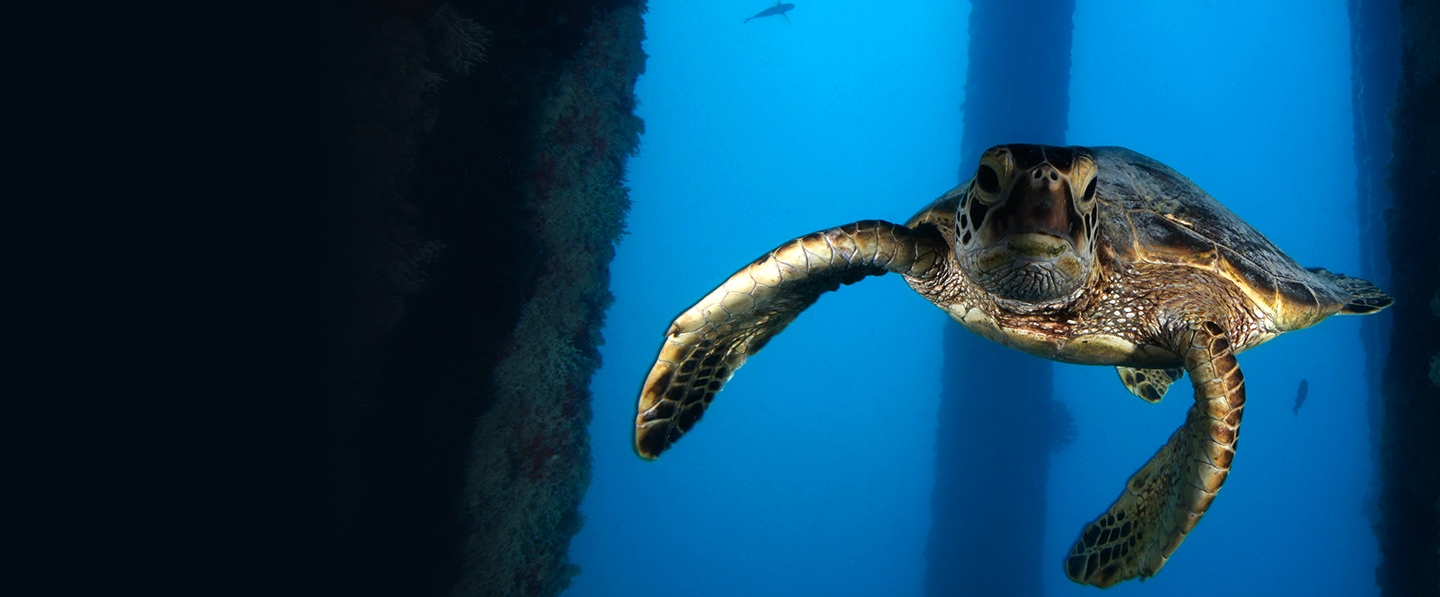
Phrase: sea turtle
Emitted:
{"points": [[1097, 256]]}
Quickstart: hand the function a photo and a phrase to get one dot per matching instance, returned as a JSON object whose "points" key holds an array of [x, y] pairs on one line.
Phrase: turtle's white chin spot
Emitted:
{"points": [[1028, 267]]}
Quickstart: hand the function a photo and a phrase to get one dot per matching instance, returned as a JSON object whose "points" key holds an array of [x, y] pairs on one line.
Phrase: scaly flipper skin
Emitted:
{"points": [[1365, 298], [709, 341], [1165, 499], [1149, 384]]}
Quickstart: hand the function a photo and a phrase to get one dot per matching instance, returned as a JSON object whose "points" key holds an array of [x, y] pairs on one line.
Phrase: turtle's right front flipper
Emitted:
{"points": [[709, 341]]}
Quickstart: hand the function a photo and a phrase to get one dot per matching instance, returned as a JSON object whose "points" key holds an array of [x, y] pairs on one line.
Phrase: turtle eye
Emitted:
{"points": [[987, 179]]}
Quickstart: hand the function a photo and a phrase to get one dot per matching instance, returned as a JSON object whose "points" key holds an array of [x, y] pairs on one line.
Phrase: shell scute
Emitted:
{"points": [[1154, 214]]}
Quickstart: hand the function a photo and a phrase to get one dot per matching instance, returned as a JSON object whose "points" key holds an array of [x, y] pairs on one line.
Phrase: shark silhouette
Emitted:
{"points": [[778, 9]]}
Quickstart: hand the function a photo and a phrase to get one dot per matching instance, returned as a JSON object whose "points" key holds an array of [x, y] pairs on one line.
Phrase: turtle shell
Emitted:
{"points": [[1149, 213]]}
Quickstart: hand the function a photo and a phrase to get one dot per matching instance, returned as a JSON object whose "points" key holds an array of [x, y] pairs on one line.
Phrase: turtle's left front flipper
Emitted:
{"points": [[709, 341], [1165, 499]]}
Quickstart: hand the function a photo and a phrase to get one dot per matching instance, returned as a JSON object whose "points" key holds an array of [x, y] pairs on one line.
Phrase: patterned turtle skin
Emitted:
{"points": [[1095, 256]]}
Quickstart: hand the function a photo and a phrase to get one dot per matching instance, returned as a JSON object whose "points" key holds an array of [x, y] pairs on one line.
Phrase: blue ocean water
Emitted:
{"points": [[812, 473]]}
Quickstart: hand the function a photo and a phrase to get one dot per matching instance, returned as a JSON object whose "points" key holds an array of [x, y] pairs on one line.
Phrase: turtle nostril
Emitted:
{"points": [[1044, 176]]}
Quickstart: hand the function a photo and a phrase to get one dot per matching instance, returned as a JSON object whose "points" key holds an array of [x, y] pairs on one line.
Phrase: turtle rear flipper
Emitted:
{"points": [[1365, 298], [710, 340], [1148, 384], [1166, 498]]}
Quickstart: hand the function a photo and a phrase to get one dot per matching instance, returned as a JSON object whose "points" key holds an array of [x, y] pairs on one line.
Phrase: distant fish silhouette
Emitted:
{"points": [[1300, 395], [778, 9]]}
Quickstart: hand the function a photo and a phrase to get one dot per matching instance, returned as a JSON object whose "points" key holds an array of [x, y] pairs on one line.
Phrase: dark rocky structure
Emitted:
{"points": [[989, 498], [476, 152], [1408, 528]]}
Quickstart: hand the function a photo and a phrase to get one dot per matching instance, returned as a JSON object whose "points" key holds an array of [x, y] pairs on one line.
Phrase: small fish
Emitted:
{"points": [[778, 9], [1300, 395]]}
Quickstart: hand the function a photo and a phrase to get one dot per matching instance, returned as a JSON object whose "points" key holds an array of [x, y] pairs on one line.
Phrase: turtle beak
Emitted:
{"points": [[1038, 215], [1046, 198]]}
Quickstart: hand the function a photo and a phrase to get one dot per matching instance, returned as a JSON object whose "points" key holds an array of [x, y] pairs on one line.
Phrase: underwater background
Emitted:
{"points": [[535, 212], [813, 471]]}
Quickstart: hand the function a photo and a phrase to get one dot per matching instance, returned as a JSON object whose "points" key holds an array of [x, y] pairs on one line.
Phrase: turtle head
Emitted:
{"points": [[1025, 229]]}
